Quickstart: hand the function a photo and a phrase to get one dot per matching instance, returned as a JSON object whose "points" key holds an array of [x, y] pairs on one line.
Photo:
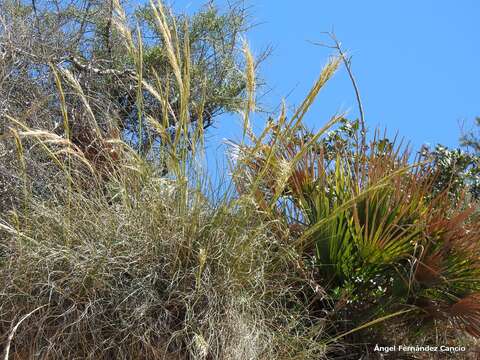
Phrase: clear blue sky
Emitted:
{"points": [[416, 62]]}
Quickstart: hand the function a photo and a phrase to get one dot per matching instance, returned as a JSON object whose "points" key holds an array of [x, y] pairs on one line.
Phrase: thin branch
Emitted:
{"points": [[88, 67], [347, 63], [76, 62]]}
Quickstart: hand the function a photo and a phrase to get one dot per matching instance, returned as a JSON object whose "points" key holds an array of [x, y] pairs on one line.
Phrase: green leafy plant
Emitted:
{"points": [[374, 228]]}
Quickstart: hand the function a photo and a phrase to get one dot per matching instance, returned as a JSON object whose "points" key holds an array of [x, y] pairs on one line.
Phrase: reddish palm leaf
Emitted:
{"points": [[465, 314]]}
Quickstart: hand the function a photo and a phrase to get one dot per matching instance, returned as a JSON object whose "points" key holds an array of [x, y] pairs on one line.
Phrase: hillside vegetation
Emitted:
{"points": [[114, 244]]}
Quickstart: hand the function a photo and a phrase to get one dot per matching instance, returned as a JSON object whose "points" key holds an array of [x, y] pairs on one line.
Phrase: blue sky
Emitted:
{"points": [[416, 62]]}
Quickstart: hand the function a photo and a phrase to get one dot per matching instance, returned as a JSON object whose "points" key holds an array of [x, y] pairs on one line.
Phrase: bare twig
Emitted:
{"points": [[75, 61], [88, 67], [348, 66], [347, 62]]}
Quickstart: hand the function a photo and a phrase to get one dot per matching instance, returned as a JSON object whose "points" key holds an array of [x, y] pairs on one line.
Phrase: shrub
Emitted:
{"points": [[371, 227]]}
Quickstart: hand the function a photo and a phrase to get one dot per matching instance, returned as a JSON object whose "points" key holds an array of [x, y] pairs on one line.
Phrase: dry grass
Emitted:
{"points": [[139, 279]]}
